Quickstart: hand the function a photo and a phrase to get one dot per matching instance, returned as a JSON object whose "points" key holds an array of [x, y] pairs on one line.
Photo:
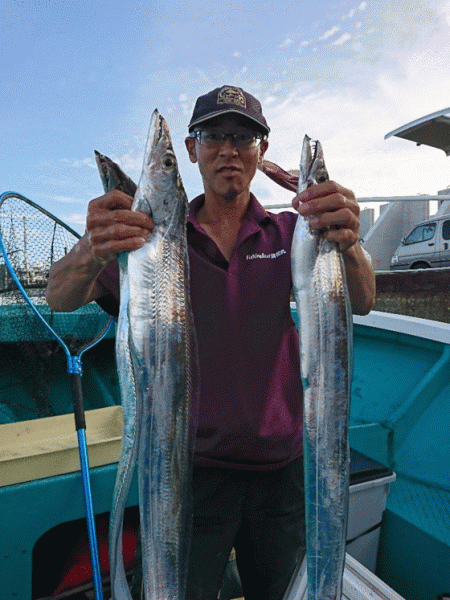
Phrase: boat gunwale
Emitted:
{"points": [[411, 326]]}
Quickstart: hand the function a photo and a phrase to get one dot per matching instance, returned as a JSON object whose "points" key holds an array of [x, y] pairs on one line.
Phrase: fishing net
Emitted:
{"points": [[31, 239], [33, 369]]}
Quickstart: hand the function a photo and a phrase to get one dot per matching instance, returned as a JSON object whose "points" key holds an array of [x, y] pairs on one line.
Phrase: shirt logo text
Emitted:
{"points": [[271, 255]]}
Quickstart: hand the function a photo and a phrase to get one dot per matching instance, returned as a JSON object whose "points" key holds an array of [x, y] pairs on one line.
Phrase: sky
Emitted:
{"points": [[78, 76]]}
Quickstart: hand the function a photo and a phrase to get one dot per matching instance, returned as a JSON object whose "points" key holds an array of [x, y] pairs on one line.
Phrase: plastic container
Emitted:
{"points": [[359, 584], [369, 488]]}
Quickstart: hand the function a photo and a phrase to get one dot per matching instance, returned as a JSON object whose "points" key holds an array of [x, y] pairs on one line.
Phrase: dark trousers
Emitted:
{"points": [[260, 515]]}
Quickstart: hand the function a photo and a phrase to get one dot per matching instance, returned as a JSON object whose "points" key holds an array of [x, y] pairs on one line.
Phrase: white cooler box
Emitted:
{"points": [[359, 584], [369, 487]]}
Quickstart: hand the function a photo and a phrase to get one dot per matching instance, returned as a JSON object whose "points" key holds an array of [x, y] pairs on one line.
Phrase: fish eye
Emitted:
{"points": [[168, 161]]}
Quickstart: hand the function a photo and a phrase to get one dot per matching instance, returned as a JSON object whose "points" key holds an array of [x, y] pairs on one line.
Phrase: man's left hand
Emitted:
{"points": [[332, 209]]}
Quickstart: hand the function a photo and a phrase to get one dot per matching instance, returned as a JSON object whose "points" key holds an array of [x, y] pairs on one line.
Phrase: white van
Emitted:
{"points": [[428, 245]]}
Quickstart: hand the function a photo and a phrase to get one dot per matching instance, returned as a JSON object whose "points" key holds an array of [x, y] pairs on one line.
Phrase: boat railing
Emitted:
{"points": [[378, 199]]}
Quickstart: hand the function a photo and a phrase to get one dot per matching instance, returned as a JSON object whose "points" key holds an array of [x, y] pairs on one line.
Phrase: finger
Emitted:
{"points": [[315, 196], [109, 234], [115, 207], [344, 218], [345, 238], [106, 250], [119, 219], [331, 203], [325, 189], [111, 248], [326, 204], [110, 201], [115, 231]]}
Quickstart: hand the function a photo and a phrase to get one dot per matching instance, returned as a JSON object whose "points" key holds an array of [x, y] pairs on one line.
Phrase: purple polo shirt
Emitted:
{"points": [[250, 406]]}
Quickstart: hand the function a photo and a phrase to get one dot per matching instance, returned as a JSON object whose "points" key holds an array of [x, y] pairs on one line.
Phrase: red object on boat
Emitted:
{"points": [[78, 571]]}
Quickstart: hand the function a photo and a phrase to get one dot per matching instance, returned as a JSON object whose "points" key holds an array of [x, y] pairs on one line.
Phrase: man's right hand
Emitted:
{"points": [[112, 226]]}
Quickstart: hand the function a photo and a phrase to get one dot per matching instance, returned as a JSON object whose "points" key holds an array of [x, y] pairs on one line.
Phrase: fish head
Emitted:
{"points": [[112, 175], [160, 191], [312, 164]]}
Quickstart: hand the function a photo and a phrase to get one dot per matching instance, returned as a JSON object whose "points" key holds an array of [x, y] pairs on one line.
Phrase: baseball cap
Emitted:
{"points": [[228, 99]]}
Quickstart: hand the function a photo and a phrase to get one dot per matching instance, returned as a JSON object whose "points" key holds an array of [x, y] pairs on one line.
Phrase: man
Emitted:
{"points": [[248, 473]]}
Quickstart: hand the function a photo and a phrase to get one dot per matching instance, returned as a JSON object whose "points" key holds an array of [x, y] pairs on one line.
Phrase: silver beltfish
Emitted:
{"points": [[325, 329], [113, 177], [157, 359]]}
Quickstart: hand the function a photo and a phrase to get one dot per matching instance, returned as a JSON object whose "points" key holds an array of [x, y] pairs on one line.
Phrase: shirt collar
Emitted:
{"points": [[255, 212]]}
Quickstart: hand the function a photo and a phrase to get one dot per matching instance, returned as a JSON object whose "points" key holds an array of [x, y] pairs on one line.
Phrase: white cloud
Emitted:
{"points": [[329, 33], [352, 12], [237, 54], [77, 163], [303, 45], [129, 161], [185, 103], [75, 219], [357, 46], [351, 123], [422, 82], [341, 40], [287, 42], [362, 6], [446, 10]]}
